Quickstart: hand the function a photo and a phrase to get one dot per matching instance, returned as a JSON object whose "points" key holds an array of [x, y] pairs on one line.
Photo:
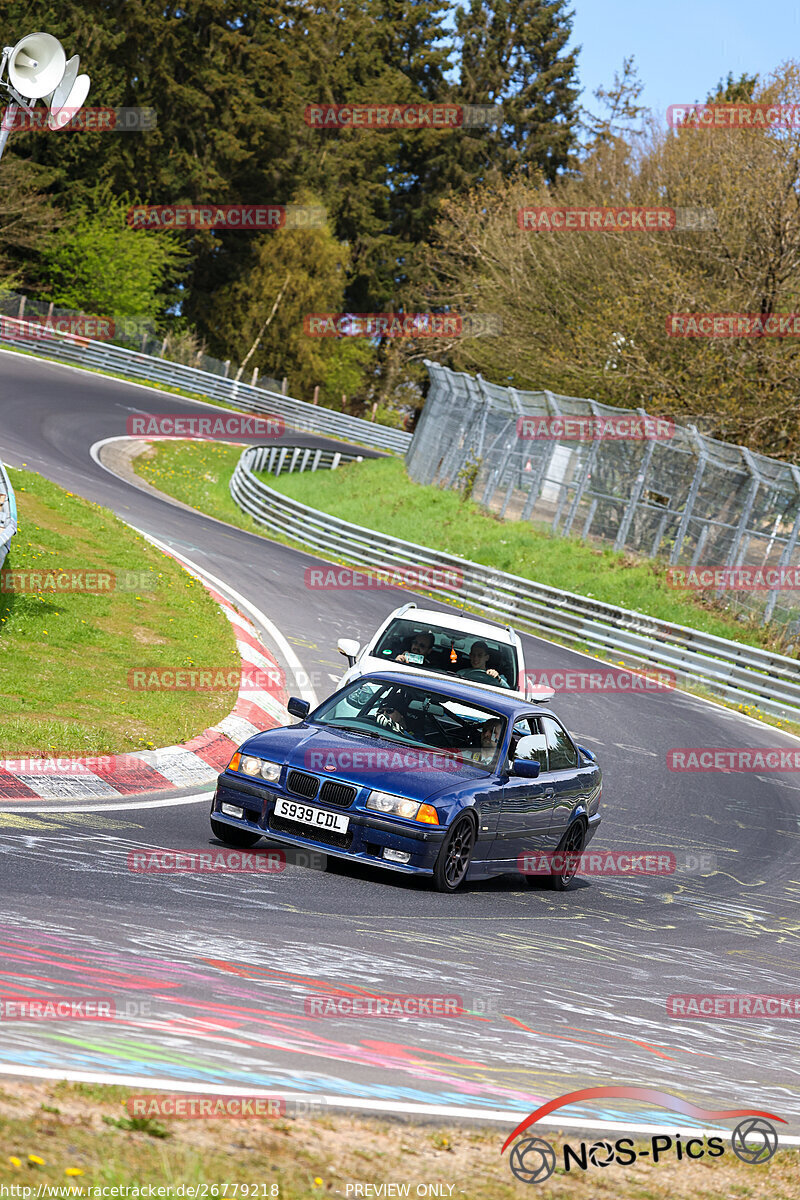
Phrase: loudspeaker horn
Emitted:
{"points": [[36, 65], [68, 98]]}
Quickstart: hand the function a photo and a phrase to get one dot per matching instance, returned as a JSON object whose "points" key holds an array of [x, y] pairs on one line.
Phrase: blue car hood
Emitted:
{"points": [[367, 762]]}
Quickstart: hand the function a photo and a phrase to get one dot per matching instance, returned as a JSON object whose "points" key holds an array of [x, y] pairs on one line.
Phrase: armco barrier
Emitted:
{"points": [[105, 356], [735, 672], [8, 514], [282, 460]]}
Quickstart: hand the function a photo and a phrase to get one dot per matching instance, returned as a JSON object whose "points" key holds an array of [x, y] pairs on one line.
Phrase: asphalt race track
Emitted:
{"points": [[564, 990]]}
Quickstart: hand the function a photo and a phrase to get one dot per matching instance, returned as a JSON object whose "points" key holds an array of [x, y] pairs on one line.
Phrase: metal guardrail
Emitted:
{"points": [[282, 460], [731, 670], [8, 514], [104, 356]]}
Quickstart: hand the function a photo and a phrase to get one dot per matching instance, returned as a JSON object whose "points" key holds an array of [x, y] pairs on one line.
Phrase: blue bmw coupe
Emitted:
{"points": [[435, 777]]}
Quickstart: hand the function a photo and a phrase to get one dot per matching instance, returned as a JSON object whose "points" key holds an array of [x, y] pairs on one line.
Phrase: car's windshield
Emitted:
{"points": [[449, 651], [415, 716]]}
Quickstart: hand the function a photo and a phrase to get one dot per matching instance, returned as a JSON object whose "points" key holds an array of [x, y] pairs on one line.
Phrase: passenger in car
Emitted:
{"points": [[421, 644]]}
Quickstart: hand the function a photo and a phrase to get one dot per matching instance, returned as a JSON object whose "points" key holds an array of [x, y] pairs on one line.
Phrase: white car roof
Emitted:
{"points": [[470, 625]]}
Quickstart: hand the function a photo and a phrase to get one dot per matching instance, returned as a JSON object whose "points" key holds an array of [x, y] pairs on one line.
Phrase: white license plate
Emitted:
{"points": [[307, 814]]}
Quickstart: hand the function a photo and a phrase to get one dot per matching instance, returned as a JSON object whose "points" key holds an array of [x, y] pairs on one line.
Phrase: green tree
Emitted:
{"points": [[316, 265], [97, 263]]}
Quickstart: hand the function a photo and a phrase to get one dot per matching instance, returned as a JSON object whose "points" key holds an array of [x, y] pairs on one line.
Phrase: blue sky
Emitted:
{"points": [[682, 47]]}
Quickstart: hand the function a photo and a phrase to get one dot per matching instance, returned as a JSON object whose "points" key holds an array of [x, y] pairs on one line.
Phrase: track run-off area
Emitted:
{"points": [[209, 972]]}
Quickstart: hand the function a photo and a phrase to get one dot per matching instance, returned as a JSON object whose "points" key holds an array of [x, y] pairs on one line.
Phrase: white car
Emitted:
{"points": [[421, 640]]}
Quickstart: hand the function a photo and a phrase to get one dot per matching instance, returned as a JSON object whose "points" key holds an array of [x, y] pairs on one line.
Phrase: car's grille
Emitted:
{"points": [[329, 837], [302, 784], [340, 794]]}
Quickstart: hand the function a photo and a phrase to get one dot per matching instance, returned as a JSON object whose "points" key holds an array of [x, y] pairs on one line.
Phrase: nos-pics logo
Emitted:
{"points": [[533, 1160]]}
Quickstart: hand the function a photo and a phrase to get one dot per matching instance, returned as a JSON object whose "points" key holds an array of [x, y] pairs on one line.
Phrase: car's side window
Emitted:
{"points": [[559, 745], [530, 742]]}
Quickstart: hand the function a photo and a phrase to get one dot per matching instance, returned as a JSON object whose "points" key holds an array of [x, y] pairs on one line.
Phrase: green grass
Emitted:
{"points": [[65, 656], [306, 1159], [378, 494], [198, 474]]}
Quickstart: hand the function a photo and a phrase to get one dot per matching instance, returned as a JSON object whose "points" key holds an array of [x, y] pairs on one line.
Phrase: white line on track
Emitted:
{"points": [[270, 627], [511, 1117], [115, 806]]}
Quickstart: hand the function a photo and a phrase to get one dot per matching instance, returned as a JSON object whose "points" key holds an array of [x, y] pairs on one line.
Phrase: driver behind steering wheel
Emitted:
{"points": [[478, 660]]}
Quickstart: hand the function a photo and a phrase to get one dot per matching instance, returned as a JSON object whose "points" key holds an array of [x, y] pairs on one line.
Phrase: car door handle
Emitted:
{"points": [[549, 793]]}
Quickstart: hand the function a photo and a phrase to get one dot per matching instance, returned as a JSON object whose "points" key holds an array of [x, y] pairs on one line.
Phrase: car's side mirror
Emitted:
{"points": [[526, 768], [587, 754], [298, 708], [349, 647]]}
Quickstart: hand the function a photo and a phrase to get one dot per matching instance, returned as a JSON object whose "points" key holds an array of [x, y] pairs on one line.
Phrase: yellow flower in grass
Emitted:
{"points": [[15, 1162], [73, 1171], [35, 1160], [318, 1182]]}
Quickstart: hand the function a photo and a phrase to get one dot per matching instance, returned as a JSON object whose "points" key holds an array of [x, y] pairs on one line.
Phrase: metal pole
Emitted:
{"points": [[788, 549], [690, 499], [636, 493], [7, 123]]}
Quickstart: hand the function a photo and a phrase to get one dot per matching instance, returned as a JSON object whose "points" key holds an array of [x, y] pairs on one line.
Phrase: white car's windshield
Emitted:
{"points": [[415, 716], [449, 651]]}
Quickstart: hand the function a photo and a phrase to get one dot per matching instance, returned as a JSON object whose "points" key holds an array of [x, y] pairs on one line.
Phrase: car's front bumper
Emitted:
{"points": [[365, 840]]}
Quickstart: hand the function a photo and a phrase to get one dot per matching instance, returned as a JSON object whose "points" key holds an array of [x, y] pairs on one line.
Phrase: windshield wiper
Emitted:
{"points": [[349, 729]]}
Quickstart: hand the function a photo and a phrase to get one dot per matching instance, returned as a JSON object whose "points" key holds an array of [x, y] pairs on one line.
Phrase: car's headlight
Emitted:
{"points": [[398, 806], [248, 764]]}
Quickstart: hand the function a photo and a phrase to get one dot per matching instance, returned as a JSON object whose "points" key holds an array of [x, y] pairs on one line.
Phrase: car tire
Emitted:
{"points": [[452, 864], [233, 837], [570, 844]]}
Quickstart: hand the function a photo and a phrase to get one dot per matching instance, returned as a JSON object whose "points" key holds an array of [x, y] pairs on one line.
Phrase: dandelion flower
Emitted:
{"points": [[15, 1162], [73, 1171], [34, 1158]]}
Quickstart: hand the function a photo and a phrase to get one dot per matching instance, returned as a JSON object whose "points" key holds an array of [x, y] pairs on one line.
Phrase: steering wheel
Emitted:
{"points": [[477, 676]]}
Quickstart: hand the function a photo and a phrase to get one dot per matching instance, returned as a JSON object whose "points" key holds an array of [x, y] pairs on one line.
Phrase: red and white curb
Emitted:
{"points": [[195, 764]]}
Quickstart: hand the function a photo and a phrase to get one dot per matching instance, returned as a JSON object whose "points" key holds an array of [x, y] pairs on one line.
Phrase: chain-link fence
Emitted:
{"points": [[135, 333], [687, 498]]}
